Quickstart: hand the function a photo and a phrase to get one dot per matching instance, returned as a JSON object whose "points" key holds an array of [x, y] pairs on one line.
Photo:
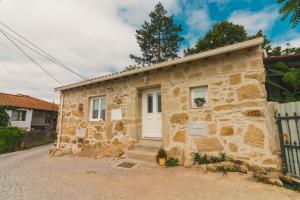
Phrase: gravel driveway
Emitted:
{"points": [[31, 174]]}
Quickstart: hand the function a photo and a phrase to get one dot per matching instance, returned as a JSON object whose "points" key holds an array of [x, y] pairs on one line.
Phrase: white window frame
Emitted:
{"points": [[101, 98], [193, 91]]}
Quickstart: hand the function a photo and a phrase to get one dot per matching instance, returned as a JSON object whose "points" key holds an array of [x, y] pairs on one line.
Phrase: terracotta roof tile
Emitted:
{"points": [[24, 101]]}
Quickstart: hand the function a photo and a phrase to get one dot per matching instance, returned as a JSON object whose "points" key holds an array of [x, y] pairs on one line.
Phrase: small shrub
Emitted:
{"points": [[198, 158], [10, 139], [172, 162], [4, 118]]}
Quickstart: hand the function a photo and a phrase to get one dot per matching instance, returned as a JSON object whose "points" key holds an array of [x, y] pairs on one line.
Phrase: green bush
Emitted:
{"points": [[10, 139], [172, 162], [4, 118]]}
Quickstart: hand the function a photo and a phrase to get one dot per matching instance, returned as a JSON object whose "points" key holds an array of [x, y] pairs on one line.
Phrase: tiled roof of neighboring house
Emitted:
{"points": [[209, 53], [24, 101], [287, 58]]}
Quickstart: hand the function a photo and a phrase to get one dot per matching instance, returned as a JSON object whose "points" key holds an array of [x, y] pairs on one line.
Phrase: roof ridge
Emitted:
{"points": [[208, 53]]}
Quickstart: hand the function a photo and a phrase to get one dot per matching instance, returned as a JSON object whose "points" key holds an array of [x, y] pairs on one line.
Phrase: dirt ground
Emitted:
{"points": [[32, 174]]}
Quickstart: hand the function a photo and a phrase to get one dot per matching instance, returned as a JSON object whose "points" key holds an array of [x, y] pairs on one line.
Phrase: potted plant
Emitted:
{"points": [[162, 157], [199, 101]]}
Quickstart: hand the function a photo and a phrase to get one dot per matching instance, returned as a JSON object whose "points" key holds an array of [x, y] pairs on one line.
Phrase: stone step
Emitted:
{"points": [[148, 145], [142, 154]]}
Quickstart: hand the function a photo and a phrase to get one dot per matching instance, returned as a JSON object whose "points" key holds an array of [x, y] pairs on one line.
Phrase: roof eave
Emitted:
{"points": [[214, 52]]}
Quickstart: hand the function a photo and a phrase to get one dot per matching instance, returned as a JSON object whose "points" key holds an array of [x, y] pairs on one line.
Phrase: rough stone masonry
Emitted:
{"points": [[240, 121]]}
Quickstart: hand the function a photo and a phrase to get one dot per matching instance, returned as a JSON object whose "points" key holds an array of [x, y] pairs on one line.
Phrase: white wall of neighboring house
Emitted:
{"points": [[22, 124]]}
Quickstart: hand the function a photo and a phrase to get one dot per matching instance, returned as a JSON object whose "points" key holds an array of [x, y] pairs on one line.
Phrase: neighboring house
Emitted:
{"points": [[29, 113], [162, 103]]}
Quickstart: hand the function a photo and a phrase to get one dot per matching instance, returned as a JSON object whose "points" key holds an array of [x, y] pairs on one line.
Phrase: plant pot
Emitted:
{"points": [[199, 104], [162, 161]]}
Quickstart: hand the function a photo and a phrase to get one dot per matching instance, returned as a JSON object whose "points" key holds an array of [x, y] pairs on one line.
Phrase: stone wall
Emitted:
{"points": [[240, 120]]}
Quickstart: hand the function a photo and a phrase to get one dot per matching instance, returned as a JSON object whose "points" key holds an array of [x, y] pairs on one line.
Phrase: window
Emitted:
{"points": [[199, 97], [159, 102], [149, 103], [98, 108], [18, 115]]}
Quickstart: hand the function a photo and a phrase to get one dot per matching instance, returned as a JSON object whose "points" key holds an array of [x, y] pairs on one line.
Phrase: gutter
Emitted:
{"points": [[60, 120], [214, 52]]}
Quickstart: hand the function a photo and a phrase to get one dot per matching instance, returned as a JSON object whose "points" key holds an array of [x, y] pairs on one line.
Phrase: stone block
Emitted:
{"points": [[253, 113], [180, 136], [181, 118], [99, 128], [209, 144], [254, 136], [176, 91], [118, 126], [235, 79], [233, 147], [250, 91], [226, 131]]}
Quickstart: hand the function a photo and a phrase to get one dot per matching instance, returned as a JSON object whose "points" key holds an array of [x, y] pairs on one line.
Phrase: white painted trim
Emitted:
{"points": [[214, 52], [60, 119]]}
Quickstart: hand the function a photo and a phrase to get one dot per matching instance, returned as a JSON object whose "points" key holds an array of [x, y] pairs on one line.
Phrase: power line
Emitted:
{"points": [[51, 58], [30, 58], [23, 80]]}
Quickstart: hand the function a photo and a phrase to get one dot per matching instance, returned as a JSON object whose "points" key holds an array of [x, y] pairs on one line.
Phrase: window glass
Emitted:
{"points": [[95, 108], [103, 108], [150, 103], [158, 102], [98, 108]]}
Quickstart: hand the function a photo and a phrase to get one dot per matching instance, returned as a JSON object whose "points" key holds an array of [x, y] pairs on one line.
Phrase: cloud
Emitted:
{"points": [[91, 37], [291, 37], [255, 21], [135, 12], [199, 20]]}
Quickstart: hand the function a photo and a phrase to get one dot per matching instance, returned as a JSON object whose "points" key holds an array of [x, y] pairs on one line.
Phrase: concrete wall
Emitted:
{"points": [[22, 124], [238, 117]]}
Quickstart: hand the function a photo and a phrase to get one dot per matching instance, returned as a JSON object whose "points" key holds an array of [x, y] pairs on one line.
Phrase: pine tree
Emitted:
{"points": [[158, 39], [290, 8]]}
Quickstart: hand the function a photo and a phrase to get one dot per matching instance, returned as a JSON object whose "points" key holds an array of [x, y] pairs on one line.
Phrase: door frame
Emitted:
{"points": [[155, 90]]}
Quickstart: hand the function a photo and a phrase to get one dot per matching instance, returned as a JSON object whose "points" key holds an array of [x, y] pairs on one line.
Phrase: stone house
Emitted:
{"points": [[159, 104]]}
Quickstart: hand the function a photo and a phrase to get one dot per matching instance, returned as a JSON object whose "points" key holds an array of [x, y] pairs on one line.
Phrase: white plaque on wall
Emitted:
{"points": [[80, 133], [198, 129], [116, 114]]}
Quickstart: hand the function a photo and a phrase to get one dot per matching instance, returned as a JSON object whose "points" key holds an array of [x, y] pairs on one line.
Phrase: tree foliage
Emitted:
{"points": [[289, 82], [159, 39], [4, 118], [221, 34], [290, 8], [227, 33]]}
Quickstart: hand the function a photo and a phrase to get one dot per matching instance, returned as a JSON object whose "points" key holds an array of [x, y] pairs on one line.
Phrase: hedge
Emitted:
{"points": [[10, 139]]}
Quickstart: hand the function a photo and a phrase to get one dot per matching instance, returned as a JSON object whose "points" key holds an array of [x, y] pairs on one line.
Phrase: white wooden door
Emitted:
{"points": [[151, 114]]}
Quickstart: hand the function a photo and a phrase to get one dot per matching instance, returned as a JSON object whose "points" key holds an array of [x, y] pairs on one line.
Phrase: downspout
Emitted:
{"points": [[60, 119]]}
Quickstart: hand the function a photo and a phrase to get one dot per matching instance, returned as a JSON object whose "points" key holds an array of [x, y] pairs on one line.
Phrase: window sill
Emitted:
{"points": [[198, 108]]}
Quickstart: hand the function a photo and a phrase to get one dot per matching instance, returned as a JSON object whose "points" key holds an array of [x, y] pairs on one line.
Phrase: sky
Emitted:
{"points": [[95, 37]]}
